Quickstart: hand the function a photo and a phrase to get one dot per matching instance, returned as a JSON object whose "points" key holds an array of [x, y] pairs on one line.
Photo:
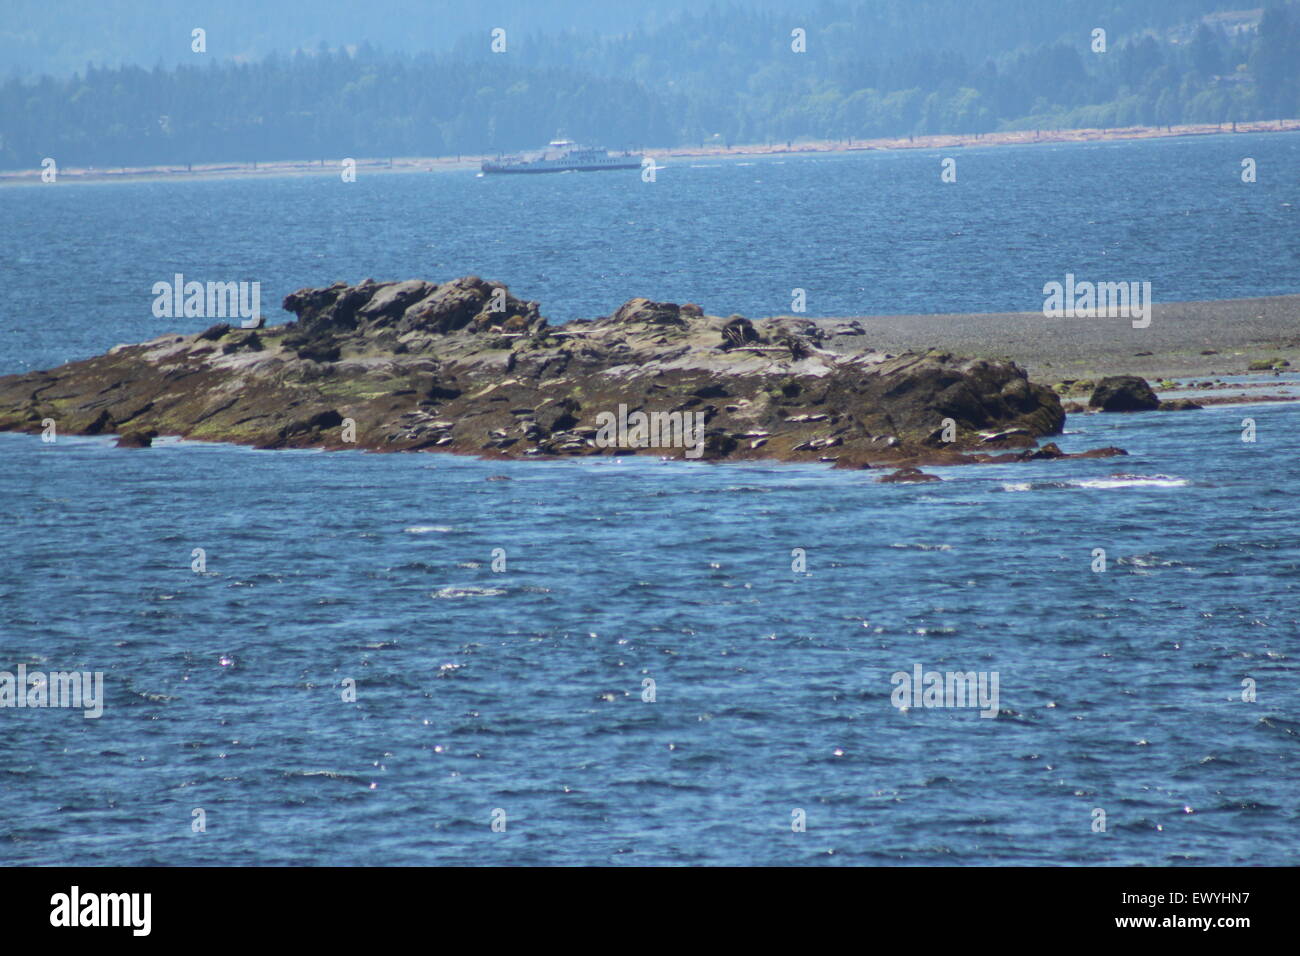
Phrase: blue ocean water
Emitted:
{"points": [[862, 234], [521, 690]]}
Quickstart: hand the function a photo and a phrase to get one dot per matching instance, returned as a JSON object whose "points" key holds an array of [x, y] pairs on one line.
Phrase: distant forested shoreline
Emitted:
{"points": [[723, 77]]}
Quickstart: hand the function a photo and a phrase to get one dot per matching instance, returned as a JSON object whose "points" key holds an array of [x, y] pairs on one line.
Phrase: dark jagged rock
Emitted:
{"points": [[1110, 451], [1124, 393], [557, 415], [136, 439], [249, 341], [1179, 405], [214, 332], [909, 475], [321, 349], [852, 328], [738, 332], [464, 366], [1049, 452], [649, 313]]}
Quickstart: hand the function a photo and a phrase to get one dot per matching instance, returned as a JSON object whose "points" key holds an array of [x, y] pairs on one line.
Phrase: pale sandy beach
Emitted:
{"points": [[1184, 339], [332, 166]]}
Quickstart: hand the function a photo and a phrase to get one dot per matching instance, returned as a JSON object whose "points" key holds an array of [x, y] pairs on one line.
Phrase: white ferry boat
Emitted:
{"points": [[562, 155]]}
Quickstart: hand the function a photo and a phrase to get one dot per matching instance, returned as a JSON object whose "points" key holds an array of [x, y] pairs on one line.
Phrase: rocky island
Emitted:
{"points": [[463, 366]]}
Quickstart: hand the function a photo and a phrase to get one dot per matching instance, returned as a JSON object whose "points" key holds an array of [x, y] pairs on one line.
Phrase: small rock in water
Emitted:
{"points": [[137, 439], [910, 475], [1124, 393]]}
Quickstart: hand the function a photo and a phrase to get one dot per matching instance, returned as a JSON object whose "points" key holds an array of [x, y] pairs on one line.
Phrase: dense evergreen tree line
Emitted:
{"points": [[728, 75], [60, 36]]}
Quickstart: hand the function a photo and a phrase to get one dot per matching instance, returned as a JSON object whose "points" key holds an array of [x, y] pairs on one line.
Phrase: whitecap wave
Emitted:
{"points": [[1134, 481], [467, 592], [1114, 481]]}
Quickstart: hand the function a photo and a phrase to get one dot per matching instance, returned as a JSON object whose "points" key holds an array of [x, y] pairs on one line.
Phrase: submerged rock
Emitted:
{"points": [[909, 475], [136, 439]]}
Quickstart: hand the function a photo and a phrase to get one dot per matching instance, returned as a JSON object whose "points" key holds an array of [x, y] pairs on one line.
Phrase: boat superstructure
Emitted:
{"points": [[563, 155]]}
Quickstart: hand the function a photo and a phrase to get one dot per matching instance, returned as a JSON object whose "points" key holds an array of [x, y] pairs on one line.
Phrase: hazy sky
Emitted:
{"points": [[60, 36]]}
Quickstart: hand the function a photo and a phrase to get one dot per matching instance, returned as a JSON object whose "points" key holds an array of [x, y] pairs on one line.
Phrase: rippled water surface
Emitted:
{"points": [[521, 689], [861, 234]]}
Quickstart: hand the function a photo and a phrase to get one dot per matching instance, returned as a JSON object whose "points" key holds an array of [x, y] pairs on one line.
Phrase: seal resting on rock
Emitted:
{"points": [[464, 366]]}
